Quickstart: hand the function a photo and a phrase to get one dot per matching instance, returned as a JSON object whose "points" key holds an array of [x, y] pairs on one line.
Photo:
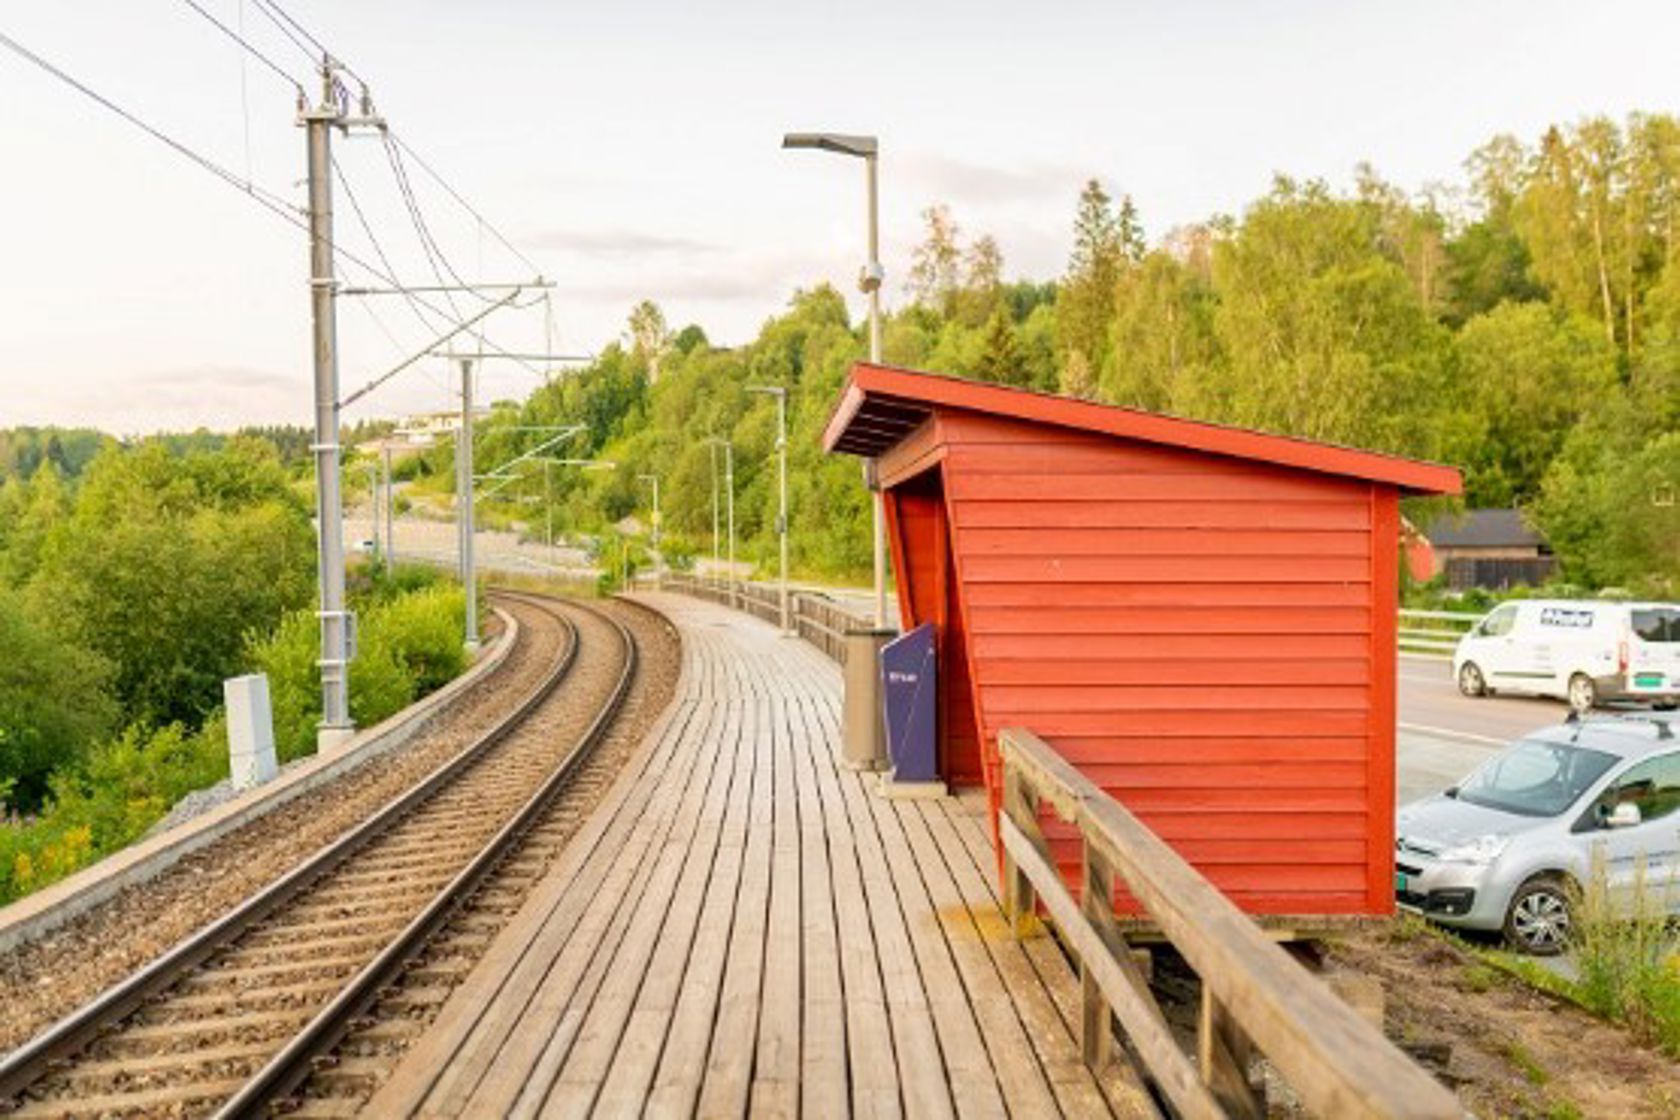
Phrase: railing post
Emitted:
{"points": [[1096, 901], [1224, 1054], [1020, 901]]}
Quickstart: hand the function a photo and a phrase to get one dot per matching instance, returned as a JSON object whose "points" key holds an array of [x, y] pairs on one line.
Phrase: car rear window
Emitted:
{"points": [[1657, 624]]}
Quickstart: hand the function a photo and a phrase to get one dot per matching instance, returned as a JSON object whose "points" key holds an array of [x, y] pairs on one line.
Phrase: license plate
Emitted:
{"points": [[1399, 880], [1648, 680]]}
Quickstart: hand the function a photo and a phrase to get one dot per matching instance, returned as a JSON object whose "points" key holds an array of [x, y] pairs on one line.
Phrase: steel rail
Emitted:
{"points": [[48, 1051], [292, 1066]]}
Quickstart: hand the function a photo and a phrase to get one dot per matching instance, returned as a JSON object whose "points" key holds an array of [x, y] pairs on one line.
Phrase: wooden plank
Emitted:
{"points": [[968, 1066], [1018, 703], [870, 1050], [1170, 542], [823, 1052], [682, 1064], [1031, 513], [727, 1088], [1167, 621], [1026, 1090], [1054, 566], [624, 1087], [1202, 597], [1210, 643], [929, 1088], [1214, 673], [776, 1070]]}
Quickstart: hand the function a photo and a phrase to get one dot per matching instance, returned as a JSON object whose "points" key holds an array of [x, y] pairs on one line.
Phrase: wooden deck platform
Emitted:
{"points": [[744, 927]]}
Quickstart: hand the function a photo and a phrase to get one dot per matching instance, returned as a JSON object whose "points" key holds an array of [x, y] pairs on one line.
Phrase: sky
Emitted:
{"points": [[632, 150]]}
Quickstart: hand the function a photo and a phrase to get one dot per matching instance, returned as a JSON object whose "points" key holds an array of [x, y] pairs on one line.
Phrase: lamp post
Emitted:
{"points": [[868, 149], [729, 492], [713, 442], [658, 557], [780, 393]]}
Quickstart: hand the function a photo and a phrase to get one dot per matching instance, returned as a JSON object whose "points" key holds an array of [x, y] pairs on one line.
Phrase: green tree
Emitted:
{"points": [[168, 560], [1099, 254], [53, 702], [1529, 375]]}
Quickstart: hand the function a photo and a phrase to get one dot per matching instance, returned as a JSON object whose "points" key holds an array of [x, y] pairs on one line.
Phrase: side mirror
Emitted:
{"points": [[1624, 815]]}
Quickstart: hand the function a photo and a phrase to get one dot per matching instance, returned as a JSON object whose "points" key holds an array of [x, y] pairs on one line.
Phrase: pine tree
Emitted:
{"points": [[1000, 360]]}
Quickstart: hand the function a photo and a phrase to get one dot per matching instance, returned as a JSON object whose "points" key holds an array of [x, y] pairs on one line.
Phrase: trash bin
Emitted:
{"points": [[863, 744], [909, 683]]}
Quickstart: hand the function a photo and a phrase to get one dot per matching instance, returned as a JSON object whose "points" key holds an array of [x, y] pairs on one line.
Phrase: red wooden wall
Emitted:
{"points": [[1210, 639]]}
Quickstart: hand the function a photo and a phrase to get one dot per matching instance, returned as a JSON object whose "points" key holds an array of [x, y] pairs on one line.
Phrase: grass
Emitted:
{"points": [[1626, 966]]}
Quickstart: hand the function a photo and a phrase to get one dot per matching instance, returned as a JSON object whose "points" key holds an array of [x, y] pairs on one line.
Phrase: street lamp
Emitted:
{"points": [[868, 149], [780, 393], [658, 557], [729, 490]]}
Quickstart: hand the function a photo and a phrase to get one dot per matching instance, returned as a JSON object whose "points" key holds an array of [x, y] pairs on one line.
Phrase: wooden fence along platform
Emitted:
{"points": [[743, 926]]}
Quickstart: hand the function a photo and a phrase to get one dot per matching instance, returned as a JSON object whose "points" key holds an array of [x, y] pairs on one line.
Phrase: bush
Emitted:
{"points": [[422, 630], [108, 801], [408, 644]]}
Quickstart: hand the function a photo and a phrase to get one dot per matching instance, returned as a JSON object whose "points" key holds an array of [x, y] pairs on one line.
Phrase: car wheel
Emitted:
{"points": [[1539, 920], [1470, 680], [1583, 693]]}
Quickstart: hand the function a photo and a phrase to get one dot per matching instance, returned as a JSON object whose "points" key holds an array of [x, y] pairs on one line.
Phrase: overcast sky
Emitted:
{"points": [[631, 149]]}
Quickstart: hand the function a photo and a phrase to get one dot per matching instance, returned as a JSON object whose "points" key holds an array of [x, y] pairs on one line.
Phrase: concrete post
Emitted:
{"points": [[250, 728]]}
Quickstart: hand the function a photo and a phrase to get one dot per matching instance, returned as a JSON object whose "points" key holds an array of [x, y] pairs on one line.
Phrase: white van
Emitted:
{"points": [[1584, 652]]}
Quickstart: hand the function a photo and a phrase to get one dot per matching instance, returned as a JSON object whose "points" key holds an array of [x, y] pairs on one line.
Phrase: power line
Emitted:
{"points": [[262, 197], [434, 255], [465, 205], [270, 201], [379, 250], [265, 198], [285, 27], [315, 50], [246, 43]]}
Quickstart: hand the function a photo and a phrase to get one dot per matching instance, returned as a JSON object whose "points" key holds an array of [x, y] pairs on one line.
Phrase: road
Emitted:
{"points": [[1443, 735]]}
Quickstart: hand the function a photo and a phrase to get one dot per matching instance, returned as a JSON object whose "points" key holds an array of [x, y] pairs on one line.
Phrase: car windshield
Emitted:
{"points": [[1535, 778]]}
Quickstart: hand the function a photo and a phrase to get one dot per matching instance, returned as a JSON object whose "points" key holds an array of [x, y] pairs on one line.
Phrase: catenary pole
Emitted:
{"points": [[318, 123], [464, 503], [390, 506]]}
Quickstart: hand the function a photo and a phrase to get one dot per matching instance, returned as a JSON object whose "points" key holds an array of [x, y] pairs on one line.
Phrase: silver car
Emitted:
{"points": [[1509, 847]]}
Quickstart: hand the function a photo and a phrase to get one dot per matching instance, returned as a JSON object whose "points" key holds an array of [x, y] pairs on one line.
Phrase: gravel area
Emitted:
{"points": [[46, 979]]}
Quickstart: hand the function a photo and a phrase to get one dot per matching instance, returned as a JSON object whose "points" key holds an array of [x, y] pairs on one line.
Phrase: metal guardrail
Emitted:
{"points": [[811, 614], [1254, 994], [1434, 633]]}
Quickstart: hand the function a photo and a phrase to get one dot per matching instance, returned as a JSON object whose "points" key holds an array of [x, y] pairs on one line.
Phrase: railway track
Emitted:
{"points": [[239, 1016]]}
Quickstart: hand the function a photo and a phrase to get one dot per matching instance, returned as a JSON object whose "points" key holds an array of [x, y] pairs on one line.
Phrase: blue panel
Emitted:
{"points": [[909, 691]]}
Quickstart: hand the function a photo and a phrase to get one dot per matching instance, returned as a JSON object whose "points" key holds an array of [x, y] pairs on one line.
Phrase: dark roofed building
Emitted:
{"points": [[1492, 548]]}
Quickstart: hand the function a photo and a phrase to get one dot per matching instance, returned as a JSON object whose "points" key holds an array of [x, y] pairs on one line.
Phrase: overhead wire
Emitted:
{"points": [[246, 43], [269, 200]]}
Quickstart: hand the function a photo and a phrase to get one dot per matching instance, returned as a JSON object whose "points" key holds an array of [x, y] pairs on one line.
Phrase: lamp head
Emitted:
{"points": [[843, 143]]}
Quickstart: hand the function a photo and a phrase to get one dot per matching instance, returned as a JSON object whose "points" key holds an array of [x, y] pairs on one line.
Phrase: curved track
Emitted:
{"points": [[239, 1015]]}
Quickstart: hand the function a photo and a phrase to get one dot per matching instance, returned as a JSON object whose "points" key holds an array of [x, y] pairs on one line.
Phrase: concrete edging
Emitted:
{"points": [[37, 914]]}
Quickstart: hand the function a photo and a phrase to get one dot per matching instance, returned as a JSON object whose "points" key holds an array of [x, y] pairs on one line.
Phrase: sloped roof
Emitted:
{"points": [[880, 405], [1484, 528]]}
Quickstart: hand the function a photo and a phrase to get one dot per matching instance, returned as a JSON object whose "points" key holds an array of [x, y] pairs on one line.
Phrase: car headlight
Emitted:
{"points": [[1480, 851]]}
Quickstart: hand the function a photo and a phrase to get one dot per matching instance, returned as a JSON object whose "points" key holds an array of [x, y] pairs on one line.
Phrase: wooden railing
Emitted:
{"points": [[1254, 994], [812, 615]]}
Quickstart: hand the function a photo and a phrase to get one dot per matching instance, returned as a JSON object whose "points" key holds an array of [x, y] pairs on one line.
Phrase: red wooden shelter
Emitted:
{"points": [[1201, 618]]}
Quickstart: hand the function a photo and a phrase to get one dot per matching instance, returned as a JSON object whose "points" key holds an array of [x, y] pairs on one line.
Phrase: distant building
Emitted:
{"points": [[425, 427], [1491, 548]]}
